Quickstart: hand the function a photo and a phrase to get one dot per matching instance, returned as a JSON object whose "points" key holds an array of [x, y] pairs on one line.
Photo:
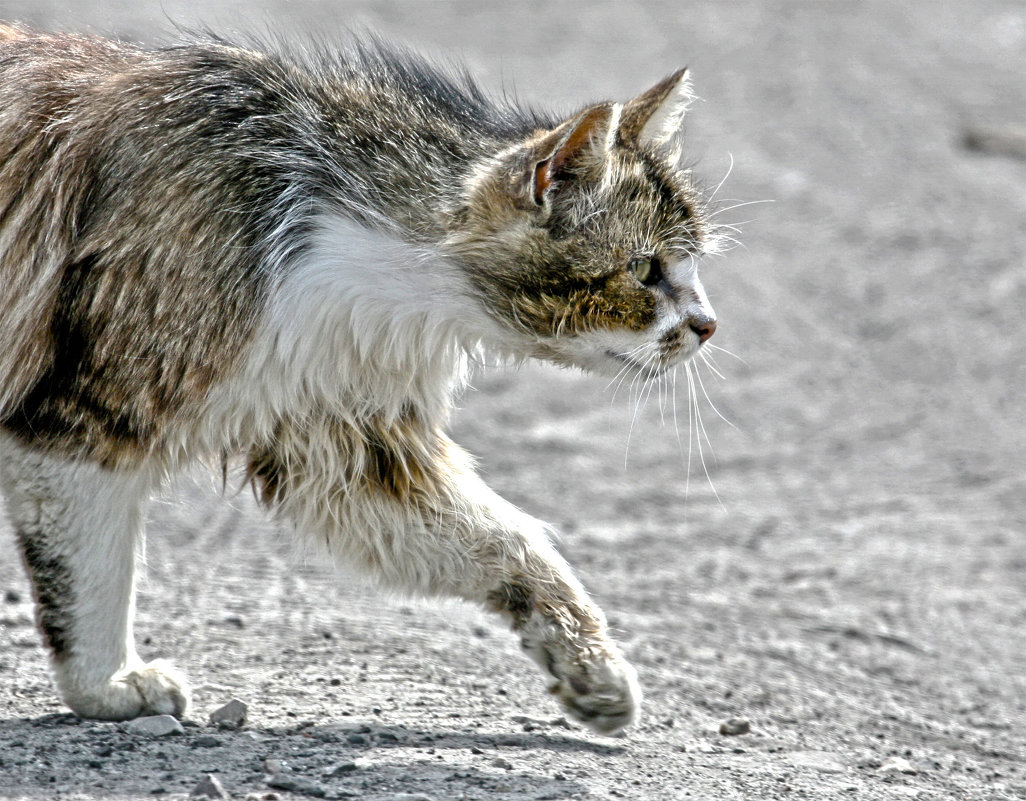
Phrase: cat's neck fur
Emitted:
{"points": [[411, 137]]}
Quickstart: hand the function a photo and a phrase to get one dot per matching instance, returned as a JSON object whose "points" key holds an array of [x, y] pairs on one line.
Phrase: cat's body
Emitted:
{"points": [[206, 251]]}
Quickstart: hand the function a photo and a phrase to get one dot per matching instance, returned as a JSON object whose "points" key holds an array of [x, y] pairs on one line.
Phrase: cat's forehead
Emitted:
{"points": [[644, 202]]}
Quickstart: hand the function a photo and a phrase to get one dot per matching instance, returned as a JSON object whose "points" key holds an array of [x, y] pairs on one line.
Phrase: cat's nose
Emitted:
{"points": [[705, 327]]}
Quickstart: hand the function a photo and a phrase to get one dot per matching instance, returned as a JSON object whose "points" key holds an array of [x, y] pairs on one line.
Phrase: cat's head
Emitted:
{"points": [[584, 240]]}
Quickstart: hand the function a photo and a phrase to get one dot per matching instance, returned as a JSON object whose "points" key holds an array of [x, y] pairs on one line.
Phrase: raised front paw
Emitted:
{"points": [[596, 685], [153, 688]]}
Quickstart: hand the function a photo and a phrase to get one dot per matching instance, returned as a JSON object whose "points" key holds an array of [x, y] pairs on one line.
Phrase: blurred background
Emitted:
{"points": [[850, 518]]}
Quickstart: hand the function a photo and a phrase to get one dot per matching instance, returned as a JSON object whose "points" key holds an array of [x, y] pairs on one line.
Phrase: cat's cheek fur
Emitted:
{"points": [[623, 352]]}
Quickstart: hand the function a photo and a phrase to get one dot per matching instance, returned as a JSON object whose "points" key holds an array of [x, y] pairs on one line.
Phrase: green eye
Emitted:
{"points": [[648, 270]]}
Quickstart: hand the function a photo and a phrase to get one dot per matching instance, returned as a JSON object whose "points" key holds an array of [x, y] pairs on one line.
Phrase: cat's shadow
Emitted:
{"points": [[381, 736], [62, 751]]}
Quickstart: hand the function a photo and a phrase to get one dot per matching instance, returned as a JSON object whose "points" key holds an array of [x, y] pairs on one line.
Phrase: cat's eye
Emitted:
{"points": [[647, 269]]}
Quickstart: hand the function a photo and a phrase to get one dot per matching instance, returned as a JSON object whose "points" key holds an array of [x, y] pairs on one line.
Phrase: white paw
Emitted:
{"points": [[597, 687], [153, 688]]}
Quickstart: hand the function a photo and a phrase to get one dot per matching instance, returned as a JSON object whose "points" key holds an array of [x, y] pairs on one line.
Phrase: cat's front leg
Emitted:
{"points": [[79, 526], [565, 635], [524, 579], [419, 519]]}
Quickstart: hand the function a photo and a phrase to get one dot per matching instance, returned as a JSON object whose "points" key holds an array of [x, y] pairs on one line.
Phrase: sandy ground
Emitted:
{"points": [[854, 585]]}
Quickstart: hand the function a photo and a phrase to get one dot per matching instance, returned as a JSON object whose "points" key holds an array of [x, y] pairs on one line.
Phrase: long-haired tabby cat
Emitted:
{"points": [[209, 251]]}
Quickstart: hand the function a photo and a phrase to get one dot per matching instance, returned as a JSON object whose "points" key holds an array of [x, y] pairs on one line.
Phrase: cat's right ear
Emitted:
{"points": [[654, 117], [575, 148]]}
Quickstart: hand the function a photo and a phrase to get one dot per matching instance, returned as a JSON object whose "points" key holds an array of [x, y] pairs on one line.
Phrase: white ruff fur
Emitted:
{"points": [[360, 324]]}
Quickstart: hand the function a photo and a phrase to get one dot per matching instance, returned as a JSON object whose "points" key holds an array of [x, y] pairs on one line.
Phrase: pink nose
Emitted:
{"points": [[704, 327]]}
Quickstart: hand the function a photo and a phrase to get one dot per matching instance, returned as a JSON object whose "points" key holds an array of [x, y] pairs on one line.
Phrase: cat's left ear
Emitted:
{"points": [[654, 117], [575, 146]]}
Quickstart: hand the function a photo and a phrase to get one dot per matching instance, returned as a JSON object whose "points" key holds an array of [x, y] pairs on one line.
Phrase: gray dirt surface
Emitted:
{"points": [[853, 587]]}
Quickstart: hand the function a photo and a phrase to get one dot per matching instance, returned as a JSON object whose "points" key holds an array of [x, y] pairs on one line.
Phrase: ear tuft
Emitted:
{"points": [[655, 116]]}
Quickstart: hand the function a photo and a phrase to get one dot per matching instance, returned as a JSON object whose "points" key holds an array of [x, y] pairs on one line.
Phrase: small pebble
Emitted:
{"points": [[12, 597], [154, 726], [296, 784], [341, 769], [356, 739], [206, 741], [232, 715], [330, 733], [273, 766], [1002, 141], [735, 726], [209, 787], [896, 765], [505, 764]]}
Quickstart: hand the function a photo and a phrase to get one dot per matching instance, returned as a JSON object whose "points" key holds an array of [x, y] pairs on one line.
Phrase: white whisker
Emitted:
{"points": [[739, 206], [711, 364], [643, 392], [699, 432], [723, 180], [712, 405], [727, 353]]}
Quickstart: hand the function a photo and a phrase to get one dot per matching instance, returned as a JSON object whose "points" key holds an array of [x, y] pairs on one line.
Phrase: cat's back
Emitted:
{"points": [[133, 209], [39, 76], [149, 200]]}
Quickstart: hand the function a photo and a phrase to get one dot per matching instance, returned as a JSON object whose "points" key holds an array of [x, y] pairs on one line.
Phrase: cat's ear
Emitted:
{"points": [[654, 117], [579, 143]]}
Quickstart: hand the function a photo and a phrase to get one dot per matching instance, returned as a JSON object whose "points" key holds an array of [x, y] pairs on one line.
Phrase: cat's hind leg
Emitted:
{"points": [[79, 526]]}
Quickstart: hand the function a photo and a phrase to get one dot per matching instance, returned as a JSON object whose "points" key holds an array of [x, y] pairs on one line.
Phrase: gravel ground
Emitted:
{"points": [[849, 598]]}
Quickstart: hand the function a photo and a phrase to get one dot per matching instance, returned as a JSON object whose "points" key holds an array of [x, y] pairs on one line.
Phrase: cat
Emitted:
{"points": [[292, 256]]}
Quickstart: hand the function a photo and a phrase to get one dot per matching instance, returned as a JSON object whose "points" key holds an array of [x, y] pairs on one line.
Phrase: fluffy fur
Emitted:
{"points": [[216, 251]]}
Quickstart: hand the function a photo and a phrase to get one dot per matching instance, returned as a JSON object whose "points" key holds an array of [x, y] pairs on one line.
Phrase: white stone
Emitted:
{"points": [[209, 787], [232, 715], [154, 726], [898, 765]]}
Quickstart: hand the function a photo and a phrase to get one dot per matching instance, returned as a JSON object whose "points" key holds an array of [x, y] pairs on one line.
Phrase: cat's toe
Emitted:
{"points": [[153, 688]]}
